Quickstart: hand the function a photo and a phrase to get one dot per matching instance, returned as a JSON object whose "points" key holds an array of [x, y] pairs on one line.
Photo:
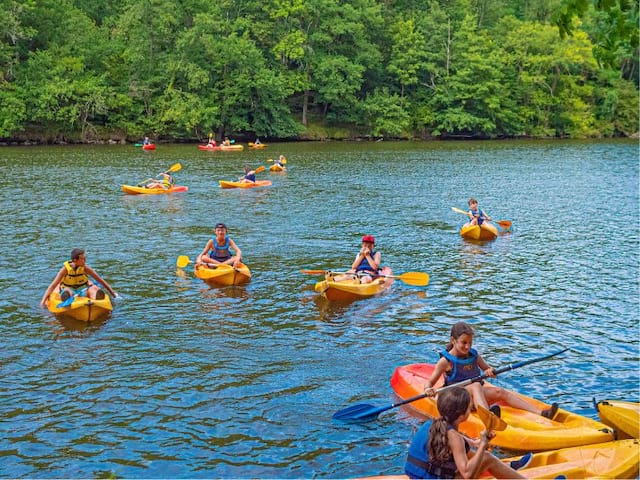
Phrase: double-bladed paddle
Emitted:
{"points": [[174, 168], [504, 224], [365, 413], [418, 279], [183, 261]]}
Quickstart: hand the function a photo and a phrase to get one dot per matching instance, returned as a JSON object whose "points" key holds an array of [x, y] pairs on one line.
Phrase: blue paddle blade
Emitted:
{"points": [[359, 413], [67, 302]]}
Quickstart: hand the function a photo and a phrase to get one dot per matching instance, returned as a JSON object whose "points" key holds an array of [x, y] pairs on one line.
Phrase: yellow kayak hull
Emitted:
{"points": [[276, 168], [223, 275], [624, 417], [83, 308], [257, 183], [134, 190], [351, 289], [525, 431], [485, 232], [618, 459]]}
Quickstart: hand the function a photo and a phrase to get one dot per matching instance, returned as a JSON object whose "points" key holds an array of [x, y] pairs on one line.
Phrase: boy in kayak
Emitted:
{"points": [[366, 264], [73, 278], [459, 362], [477, 216], [249, 176], [439, 450], [218, 249], [280, 161]]}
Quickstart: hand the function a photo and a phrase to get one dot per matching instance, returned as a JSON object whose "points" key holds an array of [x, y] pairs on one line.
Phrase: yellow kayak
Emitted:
{"points": [[134, 190], [486, 231], [525, 431], [232, 184], [351, 288], [624, 417], [82, 308], [223, 275], [618, 459], [276, 168]]}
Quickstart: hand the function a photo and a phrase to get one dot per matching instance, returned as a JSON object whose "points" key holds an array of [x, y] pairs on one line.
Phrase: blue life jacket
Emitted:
{"points": [[220, 252], [418, 464], [463, 369], [480, 215], [251, 177], [364, 265]]}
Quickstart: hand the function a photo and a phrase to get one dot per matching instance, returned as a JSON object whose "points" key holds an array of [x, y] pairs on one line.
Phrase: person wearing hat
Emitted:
{"points": [[367, 262], [73, 278], [218, 249]]}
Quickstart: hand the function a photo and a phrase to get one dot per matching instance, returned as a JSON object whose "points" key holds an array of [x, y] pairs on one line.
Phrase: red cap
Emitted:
{"points": [[369, 238]]}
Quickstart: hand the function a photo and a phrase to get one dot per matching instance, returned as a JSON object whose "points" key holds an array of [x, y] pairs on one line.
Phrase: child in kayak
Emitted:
{"points": [[218, 249], [459, 362], [439, 450], [249, 176], [280, 161], [477, 216], [166, 182], [366, 264], [73, 278]]}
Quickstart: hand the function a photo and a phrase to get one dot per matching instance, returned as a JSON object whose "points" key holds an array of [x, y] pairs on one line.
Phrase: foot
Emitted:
{"points": [[495, 409], [550, 412], [100, 294], [522, 463]]}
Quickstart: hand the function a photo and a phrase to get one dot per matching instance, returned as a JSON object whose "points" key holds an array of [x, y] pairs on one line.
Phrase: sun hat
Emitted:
{"points": [[369, 238]]}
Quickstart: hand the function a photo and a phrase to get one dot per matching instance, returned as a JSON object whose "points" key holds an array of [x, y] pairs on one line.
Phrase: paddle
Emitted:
{"points": [[183, 261], [70, 300], [283, 161], [504, 224], [419, 279], [174, 168], [365, 413]]}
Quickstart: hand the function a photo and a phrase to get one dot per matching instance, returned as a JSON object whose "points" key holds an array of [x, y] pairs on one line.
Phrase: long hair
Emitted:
{"points": [[451, 404], [457, 331]]}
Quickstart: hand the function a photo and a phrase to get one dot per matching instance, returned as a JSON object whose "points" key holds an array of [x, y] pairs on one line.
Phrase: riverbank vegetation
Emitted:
{"points": [[97, 70]]}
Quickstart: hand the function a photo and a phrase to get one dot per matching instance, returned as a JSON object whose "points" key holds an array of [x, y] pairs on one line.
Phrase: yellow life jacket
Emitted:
{"points": [[75, 277]]}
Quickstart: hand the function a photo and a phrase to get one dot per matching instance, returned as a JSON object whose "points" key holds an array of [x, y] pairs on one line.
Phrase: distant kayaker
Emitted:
{"points": [[249, 175], [146, 141], [73, 278], [257, 142], [212, 141], [439, 450], [366, 264], [218, 249], [477, 216], [459, 362], [164, 180], [281, 161], [226, 142]]}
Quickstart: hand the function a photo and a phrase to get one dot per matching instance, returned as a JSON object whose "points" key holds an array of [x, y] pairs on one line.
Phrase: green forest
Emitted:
{"points": [[115, 70]]}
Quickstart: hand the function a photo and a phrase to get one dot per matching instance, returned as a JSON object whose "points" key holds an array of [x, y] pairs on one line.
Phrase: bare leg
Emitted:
{"points": [[497, 394]]}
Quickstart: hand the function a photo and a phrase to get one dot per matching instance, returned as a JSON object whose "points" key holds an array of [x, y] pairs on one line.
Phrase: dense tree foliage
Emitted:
{"points": [[90, 70]]}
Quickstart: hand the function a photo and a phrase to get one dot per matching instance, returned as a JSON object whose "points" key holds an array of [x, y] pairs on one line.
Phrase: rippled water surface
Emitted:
{"points": [[184, 381]]}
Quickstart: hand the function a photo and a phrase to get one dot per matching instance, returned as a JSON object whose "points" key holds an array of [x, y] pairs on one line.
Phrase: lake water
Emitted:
{"points": [[185, 381]]}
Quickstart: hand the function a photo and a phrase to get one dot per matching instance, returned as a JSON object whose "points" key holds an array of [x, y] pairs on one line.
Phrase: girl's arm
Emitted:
{"points": [[485, 367], [467, 467], [441, 366], [97, 277], [56, 281], [207, 247]]}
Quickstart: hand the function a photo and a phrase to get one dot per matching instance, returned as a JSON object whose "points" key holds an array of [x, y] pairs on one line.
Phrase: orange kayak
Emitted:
{"points": [[351, 289], [133, 190], [150, 146], [525, 431], [82, 308], [487, 231], [257, 183]]}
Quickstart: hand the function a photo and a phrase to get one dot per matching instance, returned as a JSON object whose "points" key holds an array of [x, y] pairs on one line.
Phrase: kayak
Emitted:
{"points": [[257, 183], [213, 148], [223, 275], [150, 146], [525, 431], [351, 289], [276, 168], [131, 190], [258, 146], [208, 147], [617, 459], [486, 231], [624, 417], [82, 308]]}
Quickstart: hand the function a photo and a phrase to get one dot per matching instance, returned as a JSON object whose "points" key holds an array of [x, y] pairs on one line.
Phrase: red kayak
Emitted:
{"points": [[150, 146]]}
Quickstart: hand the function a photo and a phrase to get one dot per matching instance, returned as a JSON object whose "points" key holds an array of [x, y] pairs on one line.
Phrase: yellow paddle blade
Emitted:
{"points": [[313, 272], [269, 159], [183, 261], [260, 169], [457, 210], [174, 168], [284, 161], [418, 279], [491, 422]]}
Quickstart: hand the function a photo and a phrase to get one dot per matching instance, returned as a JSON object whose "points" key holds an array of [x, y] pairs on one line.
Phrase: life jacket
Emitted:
{"points": [[250, 177], [220, 252], [75, 277], [463, 369], [168, 181], [418, 464], [364, 265], [479, 213]]}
